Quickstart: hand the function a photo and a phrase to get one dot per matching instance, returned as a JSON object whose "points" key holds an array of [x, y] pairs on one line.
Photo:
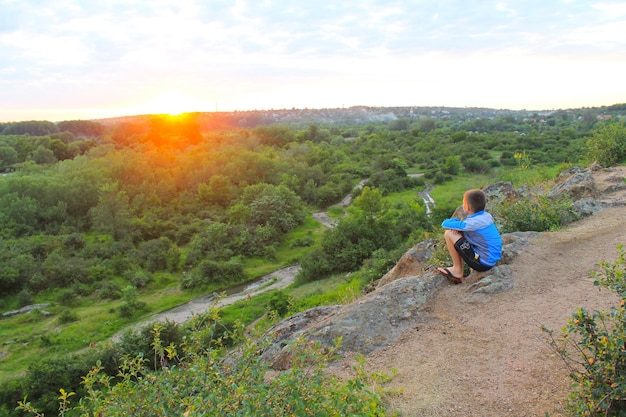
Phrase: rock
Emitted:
{"points": [[586, 207], [576, 183], [26, 309], [513, 244], [411, 263], [374, 321], [499, 192], [498, 280]]}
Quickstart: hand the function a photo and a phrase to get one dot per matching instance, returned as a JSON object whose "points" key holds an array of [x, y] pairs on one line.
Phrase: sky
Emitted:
{"points": [[89, 59]]}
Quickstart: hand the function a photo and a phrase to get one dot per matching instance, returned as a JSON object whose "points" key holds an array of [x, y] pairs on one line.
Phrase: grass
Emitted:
{"points": [[30, 337]]}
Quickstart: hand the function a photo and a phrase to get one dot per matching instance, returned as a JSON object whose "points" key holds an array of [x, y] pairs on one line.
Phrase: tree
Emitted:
{"points": [[8, 157], [452, 165], [82, 128], [371, 202], [32, 127], [112, 214], [276, 206], [43, 155]]}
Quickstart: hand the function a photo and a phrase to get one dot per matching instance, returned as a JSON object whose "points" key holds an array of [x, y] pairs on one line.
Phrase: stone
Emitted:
{"points": [[411, 263], [576, 183]]}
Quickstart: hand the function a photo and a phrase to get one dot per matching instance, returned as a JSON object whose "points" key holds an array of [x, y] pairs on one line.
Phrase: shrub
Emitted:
{"points": [[66, 297], [110, 290], [214, 273], [67, 316], [24, 298], [206, 387], [607, 144], [539, 214], [132, 304], [279, 302], [592, 346]]}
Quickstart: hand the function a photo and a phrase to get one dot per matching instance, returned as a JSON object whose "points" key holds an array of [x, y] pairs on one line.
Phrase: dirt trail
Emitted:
{"points": [[490, 357]]}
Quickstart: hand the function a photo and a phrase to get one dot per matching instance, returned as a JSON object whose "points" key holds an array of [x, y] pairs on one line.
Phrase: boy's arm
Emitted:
{"points": [[455, 224], [469, 224]]}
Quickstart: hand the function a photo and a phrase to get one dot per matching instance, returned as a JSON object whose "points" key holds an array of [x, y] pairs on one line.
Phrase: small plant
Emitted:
{"points": [[67, 316], [132, 304], [593, 346], [64, 404], [523, 159]]}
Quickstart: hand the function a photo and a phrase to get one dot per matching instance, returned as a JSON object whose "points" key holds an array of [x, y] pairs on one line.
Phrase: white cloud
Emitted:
{"points": [[295, 52]]}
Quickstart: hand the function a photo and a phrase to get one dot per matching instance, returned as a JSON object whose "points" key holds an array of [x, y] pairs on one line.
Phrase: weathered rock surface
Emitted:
{"points": [[411, 263], [23, 310]]}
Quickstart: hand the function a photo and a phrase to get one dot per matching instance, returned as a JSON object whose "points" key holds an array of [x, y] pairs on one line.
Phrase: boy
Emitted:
{"points": [[475, 239]]}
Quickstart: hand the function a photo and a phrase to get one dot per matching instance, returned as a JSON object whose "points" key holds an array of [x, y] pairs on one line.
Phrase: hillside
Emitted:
{"points": [[488, 356]]}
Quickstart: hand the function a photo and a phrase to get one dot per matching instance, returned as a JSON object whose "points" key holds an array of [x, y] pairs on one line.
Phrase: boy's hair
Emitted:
{"points": [[476, 199]]}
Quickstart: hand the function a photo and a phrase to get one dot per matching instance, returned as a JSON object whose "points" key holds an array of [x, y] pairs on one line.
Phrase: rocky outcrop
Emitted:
{"points": [[399, 300], [26, 309], [576, 183], [396, 305]]}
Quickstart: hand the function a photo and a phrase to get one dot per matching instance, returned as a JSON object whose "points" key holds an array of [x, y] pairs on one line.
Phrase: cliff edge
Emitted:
{"points": [[477, 349]]}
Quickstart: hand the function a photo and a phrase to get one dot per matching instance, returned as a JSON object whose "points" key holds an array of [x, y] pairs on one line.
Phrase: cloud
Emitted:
{"points": [[86, 52]]}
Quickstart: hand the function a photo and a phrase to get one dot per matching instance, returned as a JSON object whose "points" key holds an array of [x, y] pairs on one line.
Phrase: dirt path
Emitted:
{"points": [[491, 358], [276, 280]]}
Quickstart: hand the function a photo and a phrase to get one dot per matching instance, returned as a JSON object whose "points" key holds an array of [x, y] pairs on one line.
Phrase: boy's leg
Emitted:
{"points": [[451, 237]]}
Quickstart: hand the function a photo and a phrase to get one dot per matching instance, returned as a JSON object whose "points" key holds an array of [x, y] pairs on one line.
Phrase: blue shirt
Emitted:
{"points": [[481, 232]]}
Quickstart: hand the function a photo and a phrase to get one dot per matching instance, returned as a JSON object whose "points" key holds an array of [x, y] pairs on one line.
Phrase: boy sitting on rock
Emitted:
{"points": [[475, 239]]}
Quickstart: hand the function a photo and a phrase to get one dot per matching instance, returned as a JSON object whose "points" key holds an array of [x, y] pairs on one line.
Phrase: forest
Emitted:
{"points": [[105, 222]]}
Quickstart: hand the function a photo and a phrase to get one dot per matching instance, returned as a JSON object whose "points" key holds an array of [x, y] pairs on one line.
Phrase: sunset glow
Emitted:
{"points": [[173, 103]]}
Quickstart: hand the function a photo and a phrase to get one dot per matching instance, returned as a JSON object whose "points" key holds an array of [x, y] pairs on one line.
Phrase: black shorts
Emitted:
{"points": [[465, 249]]}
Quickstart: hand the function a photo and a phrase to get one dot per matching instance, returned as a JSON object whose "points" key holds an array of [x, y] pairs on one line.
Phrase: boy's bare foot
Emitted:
{"points": [[448, 274]]}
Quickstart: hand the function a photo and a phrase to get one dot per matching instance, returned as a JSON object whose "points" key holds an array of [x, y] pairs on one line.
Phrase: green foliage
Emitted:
{"points": [[592, 346], [32, 127], [188, 377], [206, 387], [131, 305], [607, 144], [67, 316], [279, 303], [213, 274], [539, 214]]}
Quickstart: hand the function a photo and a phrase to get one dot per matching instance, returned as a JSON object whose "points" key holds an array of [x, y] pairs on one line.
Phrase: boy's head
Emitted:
{"points": [[474, 201]]}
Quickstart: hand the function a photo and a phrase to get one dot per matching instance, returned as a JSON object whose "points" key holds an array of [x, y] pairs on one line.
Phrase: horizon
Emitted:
{"points": [[81, 61], [122, 116]]}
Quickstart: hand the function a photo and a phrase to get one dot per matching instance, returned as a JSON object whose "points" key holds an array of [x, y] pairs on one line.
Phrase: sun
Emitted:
{"points": [[173, 103]]}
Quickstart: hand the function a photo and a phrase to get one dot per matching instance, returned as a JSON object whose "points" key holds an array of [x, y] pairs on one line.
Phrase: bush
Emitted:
{"points": [[67, 316], [202, 386], [607, 144], [132, 304], [592, 346], [279, 302], [110, 290], [214, 273], [25, 298], [538, 215]]}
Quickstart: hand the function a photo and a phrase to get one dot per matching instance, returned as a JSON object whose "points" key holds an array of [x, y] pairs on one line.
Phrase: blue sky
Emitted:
{"points": [[75, 59]]}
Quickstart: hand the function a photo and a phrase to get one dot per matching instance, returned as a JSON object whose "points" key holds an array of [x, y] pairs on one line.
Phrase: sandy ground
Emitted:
{"points": [[491, 358]]}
